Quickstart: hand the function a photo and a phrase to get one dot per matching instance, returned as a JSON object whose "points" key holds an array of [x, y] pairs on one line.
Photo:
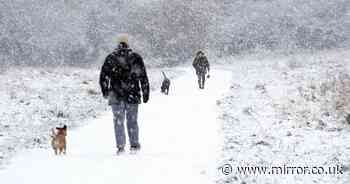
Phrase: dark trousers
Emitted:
{"points": [[201, 79]]}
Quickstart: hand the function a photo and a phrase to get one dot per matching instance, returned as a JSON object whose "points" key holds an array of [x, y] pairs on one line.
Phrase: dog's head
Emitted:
{"points": [[61, 131]]}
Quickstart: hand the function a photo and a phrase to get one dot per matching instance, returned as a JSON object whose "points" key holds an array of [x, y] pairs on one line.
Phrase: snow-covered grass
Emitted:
{"points": [[287, 111], [34, 100]]}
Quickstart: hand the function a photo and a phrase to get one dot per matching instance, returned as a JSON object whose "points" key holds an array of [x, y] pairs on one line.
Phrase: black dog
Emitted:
{"points": [[165, 84]]}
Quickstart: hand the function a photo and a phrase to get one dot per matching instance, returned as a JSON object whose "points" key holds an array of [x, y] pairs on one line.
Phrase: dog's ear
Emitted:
{"points": [[64, 129], [53, 133]]}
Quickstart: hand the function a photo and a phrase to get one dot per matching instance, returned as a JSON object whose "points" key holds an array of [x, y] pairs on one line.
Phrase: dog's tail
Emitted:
{"points": [[164, 75]]}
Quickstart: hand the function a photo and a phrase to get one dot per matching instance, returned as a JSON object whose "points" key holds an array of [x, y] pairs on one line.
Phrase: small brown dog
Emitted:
{"points": [[58, 141]]}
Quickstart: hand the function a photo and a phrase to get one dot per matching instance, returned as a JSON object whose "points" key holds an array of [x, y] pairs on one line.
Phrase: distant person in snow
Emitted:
{"points": [[123, 77], [201, 65]]}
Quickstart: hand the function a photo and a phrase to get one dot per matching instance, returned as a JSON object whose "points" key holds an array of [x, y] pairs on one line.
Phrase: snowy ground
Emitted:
{"points": [[33, 100], [288, 111], [180, 137]]}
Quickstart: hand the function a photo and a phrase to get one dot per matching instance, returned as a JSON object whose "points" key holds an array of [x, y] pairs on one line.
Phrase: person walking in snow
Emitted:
{"points": [[122, 79], [201, 65]]}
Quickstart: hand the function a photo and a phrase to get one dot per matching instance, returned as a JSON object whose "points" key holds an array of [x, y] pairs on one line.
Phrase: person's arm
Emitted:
{"points": [[143, 79], [195, 62], [105, 76]]}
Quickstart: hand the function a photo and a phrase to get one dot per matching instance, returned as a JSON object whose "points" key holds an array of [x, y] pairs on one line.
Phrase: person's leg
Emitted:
{"points": [[197, 73], [203, 79], [162, 88], [132, 126], [118, 120], [199, 80]]}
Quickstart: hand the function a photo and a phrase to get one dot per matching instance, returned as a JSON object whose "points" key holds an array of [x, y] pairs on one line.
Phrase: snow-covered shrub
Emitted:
{"points": [[320, 91], [340, 89]]}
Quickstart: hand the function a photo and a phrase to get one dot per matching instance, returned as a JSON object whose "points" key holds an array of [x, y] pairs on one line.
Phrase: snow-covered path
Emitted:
{"points": [[179, 133]]}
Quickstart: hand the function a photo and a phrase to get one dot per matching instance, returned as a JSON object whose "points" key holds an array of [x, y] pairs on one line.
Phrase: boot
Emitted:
{"points": [[134, 149], [120, 150]]}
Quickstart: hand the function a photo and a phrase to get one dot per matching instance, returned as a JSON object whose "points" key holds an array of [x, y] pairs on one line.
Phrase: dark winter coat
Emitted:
{"points": [[123, 77], [201, 64]]}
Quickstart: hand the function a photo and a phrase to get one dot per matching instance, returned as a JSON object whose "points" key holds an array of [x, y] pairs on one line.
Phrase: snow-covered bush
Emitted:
{"points": [[320, 93]]}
